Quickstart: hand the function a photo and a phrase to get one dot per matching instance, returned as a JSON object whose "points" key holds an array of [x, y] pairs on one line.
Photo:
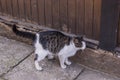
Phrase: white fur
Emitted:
{"points": [[40, 52], [63, 55], [84, 45], [68, 51]]}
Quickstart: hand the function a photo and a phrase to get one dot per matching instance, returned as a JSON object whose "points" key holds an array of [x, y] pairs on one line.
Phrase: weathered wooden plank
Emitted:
{"points": [[64, 13], [48, 13], [72, 15], [4, 8], [28, 10], [21, 9], [9, 7], [96, 19], [118, 39], [41, 12], [80, 16], [15, 8], [88, 18], [34, 7], [119, 32], [56, 20]]}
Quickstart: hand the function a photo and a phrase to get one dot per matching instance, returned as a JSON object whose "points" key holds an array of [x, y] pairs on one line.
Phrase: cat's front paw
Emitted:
{"points": [[63, 66], [39, 68], [68, 62]]}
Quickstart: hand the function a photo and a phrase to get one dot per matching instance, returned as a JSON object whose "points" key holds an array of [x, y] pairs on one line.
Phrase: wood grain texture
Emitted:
{"points": [[55, 13], [21, 10], [64, 13], [34, 9], [9, 7], [80, 16], [28, 10], [41, 11], [48, 13], [72, 15], [3, 6], [15, 8], [96, 19], [118, 36], [88, 18], [118, 39]]}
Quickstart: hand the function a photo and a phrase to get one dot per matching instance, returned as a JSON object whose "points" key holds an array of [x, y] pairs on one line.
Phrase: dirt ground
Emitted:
{"points": [[96, 59]]}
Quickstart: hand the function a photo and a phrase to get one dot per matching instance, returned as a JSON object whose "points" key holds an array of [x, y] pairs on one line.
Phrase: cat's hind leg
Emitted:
{"points": [[62, 61], [50, 56], [37, 59], [67, 61], [37, 66]]}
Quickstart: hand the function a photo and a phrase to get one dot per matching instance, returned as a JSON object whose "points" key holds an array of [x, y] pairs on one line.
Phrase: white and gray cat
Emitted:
{"points": [[53, 43]]}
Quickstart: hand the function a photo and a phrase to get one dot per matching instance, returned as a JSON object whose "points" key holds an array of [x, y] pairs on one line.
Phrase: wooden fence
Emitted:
{"points": [[80, 16], [118, 36], [118, 30], [97, 19]]}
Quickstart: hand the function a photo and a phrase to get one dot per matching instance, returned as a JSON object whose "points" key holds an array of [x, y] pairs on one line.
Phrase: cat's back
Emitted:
{"points": [[51, 33], [54, 41]]}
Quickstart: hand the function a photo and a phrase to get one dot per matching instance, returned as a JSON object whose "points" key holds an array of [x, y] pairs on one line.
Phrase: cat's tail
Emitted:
{"points": [[23, 33]]}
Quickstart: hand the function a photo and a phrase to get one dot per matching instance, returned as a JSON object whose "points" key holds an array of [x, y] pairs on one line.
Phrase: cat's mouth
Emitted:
{"points": [[83, 45]]}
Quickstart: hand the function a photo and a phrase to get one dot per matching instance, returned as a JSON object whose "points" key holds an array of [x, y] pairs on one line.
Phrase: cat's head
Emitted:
{"points": [[79, 42]]}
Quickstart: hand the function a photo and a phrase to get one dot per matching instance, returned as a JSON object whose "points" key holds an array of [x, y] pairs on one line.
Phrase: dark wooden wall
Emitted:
{"points": [[118, 40], [80, 16], [118, 30], [109, 24]]}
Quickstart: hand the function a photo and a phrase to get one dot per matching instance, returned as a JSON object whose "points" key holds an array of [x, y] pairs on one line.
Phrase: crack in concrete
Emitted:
{"points": [[12, 67], [79, 74]]}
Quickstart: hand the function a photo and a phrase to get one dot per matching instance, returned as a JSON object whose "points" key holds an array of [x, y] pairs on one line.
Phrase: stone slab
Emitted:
{"points": [[11, 52], [93, 75], [2, 79], [51, 71], [99, 60]]}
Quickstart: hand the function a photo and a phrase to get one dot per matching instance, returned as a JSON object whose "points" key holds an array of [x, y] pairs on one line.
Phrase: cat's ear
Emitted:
{"points": [[82, 37]]}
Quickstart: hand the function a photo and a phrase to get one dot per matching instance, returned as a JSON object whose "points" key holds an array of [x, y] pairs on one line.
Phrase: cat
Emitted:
{"points": [[53, 43]]}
